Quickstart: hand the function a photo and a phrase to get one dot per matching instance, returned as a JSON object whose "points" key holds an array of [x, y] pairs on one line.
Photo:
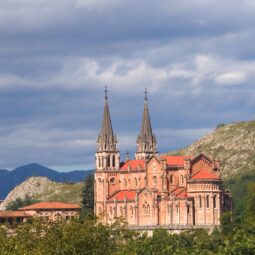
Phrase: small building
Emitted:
{"points": [[52, 210], [13, 218]]}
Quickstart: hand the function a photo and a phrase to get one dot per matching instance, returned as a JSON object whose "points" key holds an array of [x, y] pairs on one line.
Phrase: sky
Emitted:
{"points": [[195, 57]]}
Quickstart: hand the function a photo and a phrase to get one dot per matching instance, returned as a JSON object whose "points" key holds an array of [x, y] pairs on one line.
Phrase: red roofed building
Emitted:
{"points": [[155, 190], [52, 210]]}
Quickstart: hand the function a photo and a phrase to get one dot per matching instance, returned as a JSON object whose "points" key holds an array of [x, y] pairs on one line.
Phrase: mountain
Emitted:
{"points": [[43, 189], [233, 144], [10, 179]]}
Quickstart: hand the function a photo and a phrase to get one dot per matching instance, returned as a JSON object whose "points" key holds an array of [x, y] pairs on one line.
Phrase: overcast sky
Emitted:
{"points": [[195, 57]]}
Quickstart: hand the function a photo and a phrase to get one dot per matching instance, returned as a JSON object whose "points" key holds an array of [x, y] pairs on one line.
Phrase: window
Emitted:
{"points": [[112, 181], [125, 182], [214, 202], [121, 211], [113, 161], [207, 201], [155, 180], [169, 209], [131, 210], [99, 161], [146, 209], [108, 161], [171, 179], [135, 181], [200, 201], [182, 179]]}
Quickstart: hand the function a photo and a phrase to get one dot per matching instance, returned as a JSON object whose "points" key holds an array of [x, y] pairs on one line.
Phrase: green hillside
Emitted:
{"points": [[233, 144]]}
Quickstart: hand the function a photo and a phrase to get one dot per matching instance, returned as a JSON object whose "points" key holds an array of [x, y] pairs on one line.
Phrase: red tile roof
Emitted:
{"points": [[12, 214], [120, 195], [179, 192], [133, 164], [50, 205], [204, 174], [174, 160]]}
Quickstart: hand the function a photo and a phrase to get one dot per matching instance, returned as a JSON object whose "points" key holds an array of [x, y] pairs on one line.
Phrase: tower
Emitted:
{"points": [[146, 140], [107, 155]]}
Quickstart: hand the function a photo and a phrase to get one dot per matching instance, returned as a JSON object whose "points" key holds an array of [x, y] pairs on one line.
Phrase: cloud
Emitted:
{"points": [[231, 78], [56, 57]]}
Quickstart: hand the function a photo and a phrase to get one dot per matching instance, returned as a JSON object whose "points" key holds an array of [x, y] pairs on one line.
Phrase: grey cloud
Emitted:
{"points": [[195, 57]]}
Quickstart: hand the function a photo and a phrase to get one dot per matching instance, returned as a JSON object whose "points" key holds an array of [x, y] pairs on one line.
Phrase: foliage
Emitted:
{"points": [[88, 194], [88, 236], [18, 203]]}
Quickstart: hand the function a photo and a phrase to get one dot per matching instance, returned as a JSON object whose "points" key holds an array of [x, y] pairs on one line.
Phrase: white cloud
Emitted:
{"points": [[231, 78]]}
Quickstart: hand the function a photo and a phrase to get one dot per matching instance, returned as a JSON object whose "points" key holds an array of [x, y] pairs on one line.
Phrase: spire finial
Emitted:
{"points": [[105, 92], [145, 94]]}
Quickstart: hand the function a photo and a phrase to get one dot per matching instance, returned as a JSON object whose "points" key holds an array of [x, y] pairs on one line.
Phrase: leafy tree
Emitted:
{"points": [[88, 194], [18, 203]]}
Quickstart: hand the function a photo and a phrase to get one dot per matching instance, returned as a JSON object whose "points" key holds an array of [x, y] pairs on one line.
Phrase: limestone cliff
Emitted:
{"points": [[43, 189], [233, 144]]}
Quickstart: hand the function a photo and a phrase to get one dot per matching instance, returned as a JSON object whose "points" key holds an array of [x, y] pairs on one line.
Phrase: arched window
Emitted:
{"points": [[113, 161], [207, 201], [131, 210], [200, 201], [146, 209], [169, 209], [155, 180], [99, 180], [108, 161], [135, 181], [171, 179], [214, 201], [99, 161], [177, 209]]}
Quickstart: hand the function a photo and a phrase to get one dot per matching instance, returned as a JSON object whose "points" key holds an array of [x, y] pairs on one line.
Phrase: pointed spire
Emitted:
{"points": [[146, 141], [106, 139]]}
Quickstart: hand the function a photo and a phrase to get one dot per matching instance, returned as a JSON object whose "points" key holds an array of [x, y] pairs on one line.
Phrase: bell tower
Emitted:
{"points": [[107, 155], [146, 140]]}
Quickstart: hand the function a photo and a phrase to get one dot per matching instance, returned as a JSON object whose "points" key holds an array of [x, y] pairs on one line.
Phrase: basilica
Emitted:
{"points": [[154, 190]]}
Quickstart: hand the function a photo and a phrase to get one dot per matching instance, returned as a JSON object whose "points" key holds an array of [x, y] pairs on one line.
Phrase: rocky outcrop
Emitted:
{"points": [[233, 144], [43, 189]]}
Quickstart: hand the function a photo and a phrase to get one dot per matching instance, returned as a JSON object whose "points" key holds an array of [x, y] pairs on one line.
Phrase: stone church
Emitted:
{"points": [[152, 190]]}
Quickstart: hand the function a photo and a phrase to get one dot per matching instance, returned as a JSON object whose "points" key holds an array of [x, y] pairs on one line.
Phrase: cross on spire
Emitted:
{"points": [[105, 92], [145, 94]]}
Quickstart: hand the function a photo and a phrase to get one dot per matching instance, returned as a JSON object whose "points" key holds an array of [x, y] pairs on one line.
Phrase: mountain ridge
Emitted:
{"points": [[10, 179]]}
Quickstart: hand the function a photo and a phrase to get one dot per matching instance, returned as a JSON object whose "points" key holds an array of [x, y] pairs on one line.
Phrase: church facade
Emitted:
{"points": [[155, 190]]}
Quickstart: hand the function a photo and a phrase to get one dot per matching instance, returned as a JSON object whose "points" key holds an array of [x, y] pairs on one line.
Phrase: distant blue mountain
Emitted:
{"points": [[10, 179]]}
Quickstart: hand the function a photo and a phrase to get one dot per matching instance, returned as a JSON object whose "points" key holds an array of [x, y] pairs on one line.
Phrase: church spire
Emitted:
{"points": [[107, 156], [106, 139], [146, 140]]}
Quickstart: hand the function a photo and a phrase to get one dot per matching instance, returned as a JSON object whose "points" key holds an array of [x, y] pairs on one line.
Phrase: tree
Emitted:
{"points": [[18, 203], [88, 194]]}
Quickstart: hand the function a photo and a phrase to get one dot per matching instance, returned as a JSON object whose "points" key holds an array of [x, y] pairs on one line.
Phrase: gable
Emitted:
{"points": [[201, 162]]}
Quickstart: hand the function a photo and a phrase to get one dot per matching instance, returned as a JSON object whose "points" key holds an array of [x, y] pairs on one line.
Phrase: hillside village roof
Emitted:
{"points": [[50, 205], [13, 214]]}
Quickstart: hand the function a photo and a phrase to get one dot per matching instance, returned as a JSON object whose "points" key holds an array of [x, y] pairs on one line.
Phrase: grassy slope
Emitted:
{"points": [[233, 144], [63, 192]]}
